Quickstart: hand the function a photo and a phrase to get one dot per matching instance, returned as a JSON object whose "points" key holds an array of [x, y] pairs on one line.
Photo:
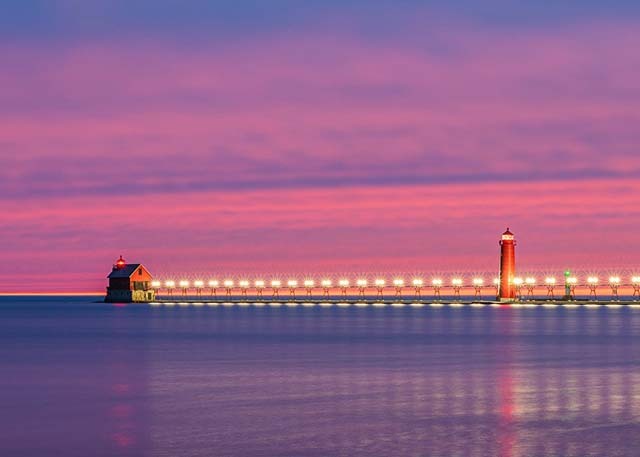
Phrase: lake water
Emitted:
{"points": [[79, 378]]}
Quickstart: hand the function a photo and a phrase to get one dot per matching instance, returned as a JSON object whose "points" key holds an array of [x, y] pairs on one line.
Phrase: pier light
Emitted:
{"points": [[398, 282], [614, 282], [436, 283], [380, 286], [308, 284], [170, 285], [326, 285], [362, 284], [477, 285], [457, 285], [156, 284], [275, 287], [344, 284], [244, 285], [550, 281], [518, 282], [292, 284], [635, 281], [259, 285], [417, 287], [213, 285], [184, 285], [198, 285], [496, 281], [530, 283], [572, 280], [592, 281], [228, 284]]}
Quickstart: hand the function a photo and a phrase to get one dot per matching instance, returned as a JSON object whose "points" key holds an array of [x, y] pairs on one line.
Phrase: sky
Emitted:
{"points": [[281, 137]]}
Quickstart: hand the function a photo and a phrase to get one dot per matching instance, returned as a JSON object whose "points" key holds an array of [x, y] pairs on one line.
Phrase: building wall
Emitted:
{"points": [[129, 296]]}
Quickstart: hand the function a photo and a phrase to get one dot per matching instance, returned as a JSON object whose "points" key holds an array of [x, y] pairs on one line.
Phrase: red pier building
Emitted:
{"points": [[129, 283]]}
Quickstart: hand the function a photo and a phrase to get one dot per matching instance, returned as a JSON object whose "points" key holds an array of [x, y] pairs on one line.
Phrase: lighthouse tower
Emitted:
{"points": [[507, 290]]}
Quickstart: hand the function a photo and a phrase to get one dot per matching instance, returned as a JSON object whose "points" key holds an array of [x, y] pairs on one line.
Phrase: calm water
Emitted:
{"points": [[88, 379]]}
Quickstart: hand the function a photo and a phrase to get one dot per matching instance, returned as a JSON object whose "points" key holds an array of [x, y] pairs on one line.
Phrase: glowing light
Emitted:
{"points": [[292, 283], [398, 282], [326, 283], [437, 282], [213, 283], [550, 280], [198, 284], [244, 284], [228, 283], [344, 283], [275, 283], [170, 284], [380, 282], [156, 284], [614, 280], [592, 280], [417, 282], [361, 282], [530, 281], [635, 280], [184, 283], [496, 281], [518, 281], [572, 280], [456, 281], [259, 284], [309, 283], [478, 281]]}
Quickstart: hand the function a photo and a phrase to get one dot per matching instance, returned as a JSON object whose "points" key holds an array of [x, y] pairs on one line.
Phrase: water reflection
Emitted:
{"points": [[320, 380], [401, 381]]}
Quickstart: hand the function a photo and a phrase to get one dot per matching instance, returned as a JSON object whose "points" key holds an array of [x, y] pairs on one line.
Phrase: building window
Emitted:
{"points": [[140, 272]]}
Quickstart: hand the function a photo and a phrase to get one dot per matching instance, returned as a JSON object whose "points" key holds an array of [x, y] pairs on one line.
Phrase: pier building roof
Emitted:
{"points": [[124, 272]]}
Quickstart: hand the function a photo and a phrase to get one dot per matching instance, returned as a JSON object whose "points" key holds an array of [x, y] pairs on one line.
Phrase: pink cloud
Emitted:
{"points": [[326, 154]]}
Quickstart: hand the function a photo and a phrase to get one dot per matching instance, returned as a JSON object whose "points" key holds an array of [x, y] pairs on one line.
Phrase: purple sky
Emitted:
{"points": [[366, 137]]}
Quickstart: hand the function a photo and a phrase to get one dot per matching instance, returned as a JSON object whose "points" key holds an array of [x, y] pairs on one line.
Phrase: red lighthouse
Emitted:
{"points": [[507, 267]]}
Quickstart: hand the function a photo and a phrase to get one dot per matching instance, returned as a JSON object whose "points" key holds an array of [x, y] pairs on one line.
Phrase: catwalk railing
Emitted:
{"points": [[527, 288]]}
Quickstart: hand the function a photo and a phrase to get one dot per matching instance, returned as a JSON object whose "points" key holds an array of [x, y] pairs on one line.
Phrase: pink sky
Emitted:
{"points": [[313, 152]]}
